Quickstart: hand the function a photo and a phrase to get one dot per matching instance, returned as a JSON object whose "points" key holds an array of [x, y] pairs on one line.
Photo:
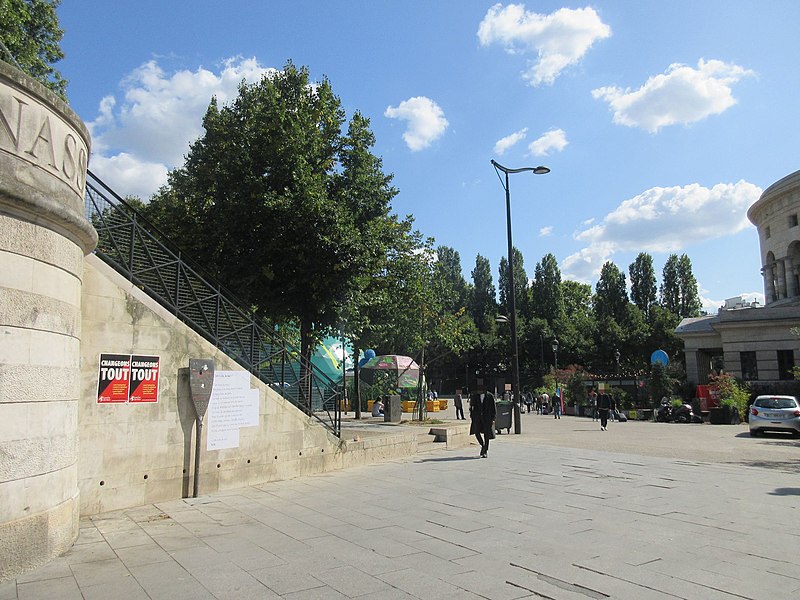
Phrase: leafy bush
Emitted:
{"points": [[732, 393]]}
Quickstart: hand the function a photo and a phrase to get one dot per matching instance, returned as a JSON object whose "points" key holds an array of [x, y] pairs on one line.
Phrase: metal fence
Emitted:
{"points": [[137, 250]]}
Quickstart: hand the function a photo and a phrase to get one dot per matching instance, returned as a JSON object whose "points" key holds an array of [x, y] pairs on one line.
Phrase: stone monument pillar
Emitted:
{"points": [[44, 151]]}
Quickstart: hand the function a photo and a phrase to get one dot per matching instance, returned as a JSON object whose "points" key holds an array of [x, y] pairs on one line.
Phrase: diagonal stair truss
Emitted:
{"points": [[136, 249]]}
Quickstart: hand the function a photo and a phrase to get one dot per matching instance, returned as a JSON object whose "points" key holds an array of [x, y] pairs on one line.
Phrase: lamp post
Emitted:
{"points": [[512, 304]]}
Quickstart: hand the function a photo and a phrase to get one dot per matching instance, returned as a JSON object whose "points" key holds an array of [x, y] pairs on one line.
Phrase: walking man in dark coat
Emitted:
{"points": [[482, 412], [459, 406]]}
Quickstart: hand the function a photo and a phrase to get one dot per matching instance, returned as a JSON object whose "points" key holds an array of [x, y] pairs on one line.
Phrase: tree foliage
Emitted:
{"points": [[483, 302], [679, 292], [547, 301], [30, 31], [280, 204], [520, 284], [643, 283], [611, 296]]}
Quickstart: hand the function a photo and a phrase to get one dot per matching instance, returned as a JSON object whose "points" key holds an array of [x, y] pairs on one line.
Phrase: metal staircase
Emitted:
{"points": [[136, 249]]}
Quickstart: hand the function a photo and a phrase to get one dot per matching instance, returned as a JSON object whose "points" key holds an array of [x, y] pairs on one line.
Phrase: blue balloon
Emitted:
{"points": [[369, 354], [659, 357]]}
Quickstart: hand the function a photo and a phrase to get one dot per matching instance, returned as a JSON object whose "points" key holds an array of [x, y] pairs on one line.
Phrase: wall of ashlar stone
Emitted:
{"points": [[43, 238]]}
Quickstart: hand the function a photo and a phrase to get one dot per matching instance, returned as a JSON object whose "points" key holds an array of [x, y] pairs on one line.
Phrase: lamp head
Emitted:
{"points": [[555, 345]]}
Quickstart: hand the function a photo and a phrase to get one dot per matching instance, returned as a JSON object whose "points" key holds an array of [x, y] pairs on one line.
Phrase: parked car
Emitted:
{"points": [[775, 413]]}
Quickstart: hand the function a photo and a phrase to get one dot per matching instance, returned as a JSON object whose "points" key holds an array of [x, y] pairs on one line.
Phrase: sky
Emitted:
{"points": [[662, 122]]}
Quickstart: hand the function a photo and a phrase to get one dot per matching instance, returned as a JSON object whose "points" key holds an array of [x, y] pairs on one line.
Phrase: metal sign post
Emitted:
{"points": [[201, 381]]}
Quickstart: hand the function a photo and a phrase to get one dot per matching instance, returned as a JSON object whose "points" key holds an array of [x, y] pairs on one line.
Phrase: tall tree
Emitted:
{"points": [[690, 300], [611, 296], [670, 291], [546, 299], [520, 284], [447, 268], [679, 292], [281, 205], [30, 32], [643, 283], [483, 303]]}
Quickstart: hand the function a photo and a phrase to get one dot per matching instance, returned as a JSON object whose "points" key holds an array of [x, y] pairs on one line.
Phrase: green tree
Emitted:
{"points": [[447, 268], [687, 284], [483, 302], [30, 32], [578, 326], [611, 296], [279, 204], [679, 287], [520, 284], [546, 300], [643, 283]]}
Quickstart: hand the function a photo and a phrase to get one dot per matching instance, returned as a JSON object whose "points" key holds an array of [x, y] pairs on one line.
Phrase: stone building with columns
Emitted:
{"points": [[757, 343]]}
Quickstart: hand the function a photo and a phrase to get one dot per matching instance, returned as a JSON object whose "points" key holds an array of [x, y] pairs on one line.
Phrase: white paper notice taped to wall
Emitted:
{"points": [[233, 405]]}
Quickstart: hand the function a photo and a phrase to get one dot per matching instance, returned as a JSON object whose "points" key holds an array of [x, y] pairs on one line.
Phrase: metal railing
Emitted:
{"points": [[140, 252]]}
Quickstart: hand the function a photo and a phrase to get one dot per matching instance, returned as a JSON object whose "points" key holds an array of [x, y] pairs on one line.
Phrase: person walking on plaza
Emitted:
{"points": [[593, 404], [459, 405], [557, 404], [604, 403], [482, 412], [528, 400]]}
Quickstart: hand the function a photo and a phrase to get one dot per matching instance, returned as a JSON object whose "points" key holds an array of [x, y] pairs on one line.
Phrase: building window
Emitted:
{"points": [[749, 366], [792, 220], [785, 364], [767, 233]]}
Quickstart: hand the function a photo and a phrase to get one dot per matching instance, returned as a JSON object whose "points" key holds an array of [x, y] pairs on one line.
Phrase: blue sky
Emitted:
{"points": [[661, 122]]}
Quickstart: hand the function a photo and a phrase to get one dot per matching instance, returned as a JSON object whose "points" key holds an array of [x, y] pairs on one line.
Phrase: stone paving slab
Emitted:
{"points": [[563, 511]]}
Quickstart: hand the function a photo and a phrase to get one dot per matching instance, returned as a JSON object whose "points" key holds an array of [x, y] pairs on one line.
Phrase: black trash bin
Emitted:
{"points": [[502, 420]]}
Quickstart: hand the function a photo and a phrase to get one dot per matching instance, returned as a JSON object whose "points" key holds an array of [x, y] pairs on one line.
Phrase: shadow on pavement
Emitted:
{"points": [[786, 492]]}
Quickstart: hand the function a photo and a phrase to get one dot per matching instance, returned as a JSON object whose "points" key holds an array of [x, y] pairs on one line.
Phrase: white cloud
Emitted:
{"points": [[507, 142], [558, 40], [137, 138], [426, 122], [663, 220], [681, 95], [545, 231], [129, 176], [555, 139]]}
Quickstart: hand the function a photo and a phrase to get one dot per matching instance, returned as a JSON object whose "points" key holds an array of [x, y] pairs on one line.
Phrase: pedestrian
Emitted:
{"points": [[593, 404], [604, 403], [459, 405], [528, 401], [612, 413], [545, 403], [557, 404], [482, 412]]}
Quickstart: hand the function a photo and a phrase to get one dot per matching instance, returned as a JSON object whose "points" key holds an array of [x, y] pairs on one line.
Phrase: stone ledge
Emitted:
{"points": [[454, 436]]}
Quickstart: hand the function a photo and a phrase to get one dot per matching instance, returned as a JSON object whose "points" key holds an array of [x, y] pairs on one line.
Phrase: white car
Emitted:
{"points": [[775, 413]]}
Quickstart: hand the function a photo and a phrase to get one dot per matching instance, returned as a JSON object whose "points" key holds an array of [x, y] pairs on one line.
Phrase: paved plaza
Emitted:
{"points": [[562, 511]]}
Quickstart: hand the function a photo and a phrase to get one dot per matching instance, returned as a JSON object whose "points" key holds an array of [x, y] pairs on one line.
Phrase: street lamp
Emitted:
{"points": [[616, 359], [555, 354], [513, 304]]}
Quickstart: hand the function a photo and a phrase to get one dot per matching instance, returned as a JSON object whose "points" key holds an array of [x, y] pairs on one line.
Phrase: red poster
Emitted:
{"points": [[113, 378], [144, 379]]}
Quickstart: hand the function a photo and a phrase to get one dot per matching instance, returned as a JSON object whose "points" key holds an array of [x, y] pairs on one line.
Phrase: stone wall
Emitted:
{"points": [[43, 238], [138, 454]]}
